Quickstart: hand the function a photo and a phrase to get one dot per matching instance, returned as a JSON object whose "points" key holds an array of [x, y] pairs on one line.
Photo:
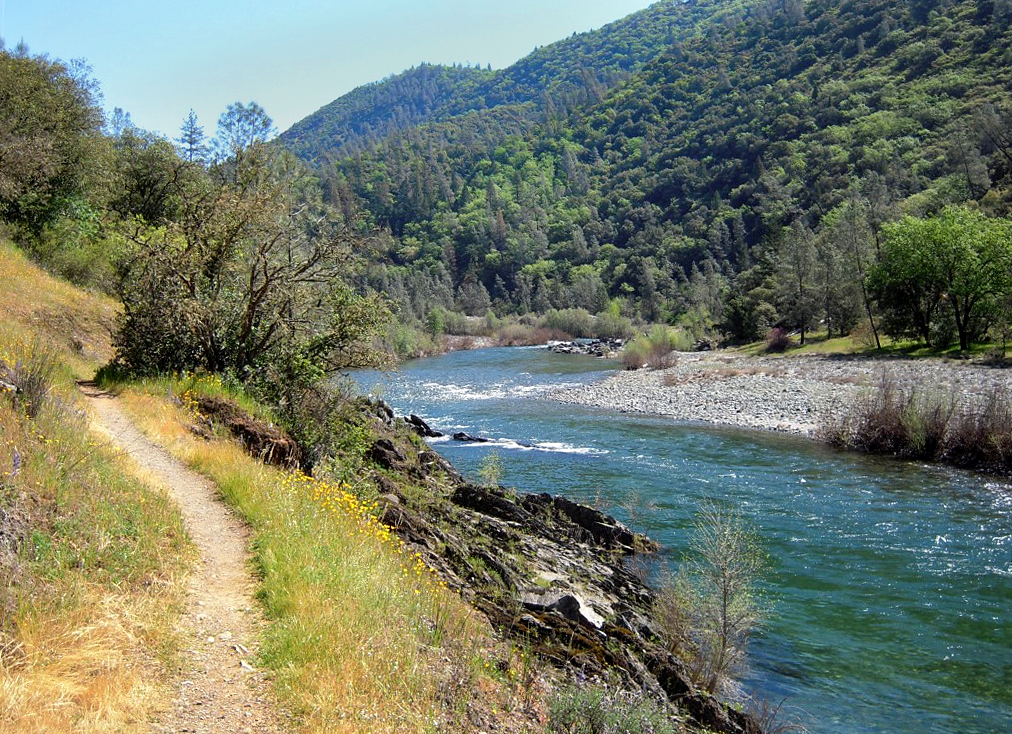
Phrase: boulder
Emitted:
{"points": [[261, 439], [468, 438], [385, 454], [420, 427], [566, 604]]}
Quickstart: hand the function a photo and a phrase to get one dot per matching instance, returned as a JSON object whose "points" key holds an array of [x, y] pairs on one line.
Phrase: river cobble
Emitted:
{"points": [[791, 394]]}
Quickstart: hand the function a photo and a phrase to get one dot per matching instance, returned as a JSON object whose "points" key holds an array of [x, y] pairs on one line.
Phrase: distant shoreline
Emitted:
{"points": [[789, 394]]}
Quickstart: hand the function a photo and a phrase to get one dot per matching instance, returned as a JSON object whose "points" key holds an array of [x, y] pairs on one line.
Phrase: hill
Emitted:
{"points": [[717, 127], [547, 82]]}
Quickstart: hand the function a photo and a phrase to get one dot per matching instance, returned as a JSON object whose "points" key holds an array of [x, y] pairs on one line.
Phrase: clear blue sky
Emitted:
{"points": [[156, 60]]}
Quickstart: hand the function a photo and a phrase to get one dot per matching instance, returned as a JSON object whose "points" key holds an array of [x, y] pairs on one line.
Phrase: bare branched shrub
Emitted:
{"points": [[28, 375], [774, 719], [709, 610], [673, 612], [727, 564]]}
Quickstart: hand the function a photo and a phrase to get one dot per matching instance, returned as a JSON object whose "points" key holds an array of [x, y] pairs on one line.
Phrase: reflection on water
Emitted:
{"points": [[892, 582]]}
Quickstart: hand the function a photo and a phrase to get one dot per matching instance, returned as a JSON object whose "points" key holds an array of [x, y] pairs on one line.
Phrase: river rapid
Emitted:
{"points": [[890, 582]]}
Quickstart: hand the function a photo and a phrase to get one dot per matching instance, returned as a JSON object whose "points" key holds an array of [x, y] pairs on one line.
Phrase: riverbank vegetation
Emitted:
{"points": [[971, 432], [709, 609]]}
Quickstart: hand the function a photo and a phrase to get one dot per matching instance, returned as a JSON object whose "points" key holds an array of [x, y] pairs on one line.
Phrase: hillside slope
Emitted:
{"points": [[547, 82], [749, 118]]}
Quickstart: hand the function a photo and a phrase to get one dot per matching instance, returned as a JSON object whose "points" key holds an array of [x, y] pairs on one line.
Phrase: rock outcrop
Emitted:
{"points": [[589, 347], [261, 439], [542, 568]]}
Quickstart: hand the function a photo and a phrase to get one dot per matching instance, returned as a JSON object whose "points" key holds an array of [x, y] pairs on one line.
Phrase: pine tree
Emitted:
{"points": [[192, 141]]}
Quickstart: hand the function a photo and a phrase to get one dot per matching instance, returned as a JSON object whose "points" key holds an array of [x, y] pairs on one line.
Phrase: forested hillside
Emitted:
{"points": [[547, 83], [736, 177]]}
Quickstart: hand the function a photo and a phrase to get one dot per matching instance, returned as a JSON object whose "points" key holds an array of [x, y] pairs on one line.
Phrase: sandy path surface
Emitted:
{"points": [[220, 691]]}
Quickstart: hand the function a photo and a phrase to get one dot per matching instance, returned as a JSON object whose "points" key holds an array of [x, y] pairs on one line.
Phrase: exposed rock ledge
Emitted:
{"points": [[541, 568]]}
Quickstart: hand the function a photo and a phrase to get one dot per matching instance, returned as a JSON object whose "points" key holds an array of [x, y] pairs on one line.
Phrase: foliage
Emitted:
{"points": [[49, 118], [598, 709], [956, 264], [654, 349], [250, 279], [492, 469]]}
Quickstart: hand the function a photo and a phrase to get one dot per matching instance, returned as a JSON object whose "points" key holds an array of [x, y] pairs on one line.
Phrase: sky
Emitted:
{"points": [[158, 60]]}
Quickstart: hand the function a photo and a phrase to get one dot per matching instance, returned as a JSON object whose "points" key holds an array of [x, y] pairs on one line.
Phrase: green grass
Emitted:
{"points": [[817, 343]]}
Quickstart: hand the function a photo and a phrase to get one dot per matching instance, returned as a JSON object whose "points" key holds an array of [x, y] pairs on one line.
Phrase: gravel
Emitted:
{"points": [[792, 394]]}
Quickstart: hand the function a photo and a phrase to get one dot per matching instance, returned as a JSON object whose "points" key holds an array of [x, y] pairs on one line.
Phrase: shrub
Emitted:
{"points": [[596, 709], [653, 350], [612, 326], [973, 435], [522, 335], [574, 321], [708, 612], [981, 438], [492, 469], [777, 341], [27, 372]]}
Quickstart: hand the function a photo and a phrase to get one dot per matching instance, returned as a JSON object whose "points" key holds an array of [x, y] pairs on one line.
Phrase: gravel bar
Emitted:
{"points": [[790, 394]]}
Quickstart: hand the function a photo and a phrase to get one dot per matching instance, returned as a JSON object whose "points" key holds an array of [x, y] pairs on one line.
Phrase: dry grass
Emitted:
{"points": [[90, 670], [91, 560], [78, 322], [362, 637]]}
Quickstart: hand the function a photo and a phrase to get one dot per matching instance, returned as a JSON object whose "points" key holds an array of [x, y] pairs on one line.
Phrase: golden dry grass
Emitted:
{"points": [[91, 560], [78, 322]]}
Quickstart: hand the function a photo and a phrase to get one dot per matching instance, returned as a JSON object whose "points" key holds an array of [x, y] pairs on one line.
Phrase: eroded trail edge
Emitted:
{"points": [[220, 690]]}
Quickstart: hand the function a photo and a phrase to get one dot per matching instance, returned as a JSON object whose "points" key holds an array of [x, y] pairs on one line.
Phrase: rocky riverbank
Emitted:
{"points": [[791, 394], [549, 572]]}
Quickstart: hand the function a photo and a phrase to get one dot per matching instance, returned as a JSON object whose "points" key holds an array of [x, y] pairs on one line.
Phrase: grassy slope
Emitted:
{"points": [[91, 558], [92, 564], [361, 637]]}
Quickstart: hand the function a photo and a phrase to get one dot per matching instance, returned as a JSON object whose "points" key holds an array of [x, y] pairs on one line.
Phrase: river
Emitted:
{"points": [[890, 582]]}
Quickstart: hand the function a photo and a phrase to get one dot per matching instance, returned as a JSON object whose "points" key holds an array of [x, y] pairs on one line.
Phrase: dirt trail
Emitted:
{"points": [[219, 691]]}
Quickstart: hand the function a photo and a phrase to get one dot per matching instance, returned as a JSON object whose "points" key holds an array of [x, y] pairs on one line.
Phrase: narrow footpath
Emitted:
{"points": [[220, 690]]}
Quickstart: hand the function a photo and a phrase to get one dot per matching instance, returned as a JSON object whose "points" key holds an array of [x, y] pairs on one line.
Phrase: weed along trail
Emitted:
{"points": [[220, 689]]}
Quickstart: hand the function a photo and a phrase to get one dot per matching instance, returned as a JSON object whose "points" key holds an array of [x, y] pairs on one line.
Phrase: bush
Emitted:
{"points": [[653, 350], [612, 326], [27, 372], [709, 610], [601, 710], [913, 425], [573, 321], [777, 341], [522, 335]]}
